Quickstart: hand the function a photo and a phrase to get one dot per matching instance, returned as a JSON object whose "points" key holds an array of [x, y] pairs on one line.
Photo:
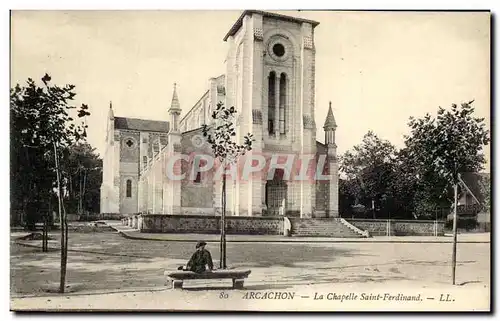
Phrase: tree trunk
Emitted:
{"points": [[62, 220], [46, 224], [454, 253], [79, 192], [223, 224], [221, 245], [64, 260], [224, 221], [44, 228], [83, 192]]}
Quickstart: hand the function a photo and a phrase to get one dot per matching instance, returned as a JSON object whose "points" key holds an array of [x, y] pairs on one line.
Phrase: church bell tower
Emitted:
{"points": [[270, 81]]}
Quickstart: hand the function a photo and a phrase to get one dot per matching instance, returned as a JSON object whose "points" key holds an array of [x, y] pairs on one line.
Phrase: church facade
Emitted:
{"points": [[270, 81]]}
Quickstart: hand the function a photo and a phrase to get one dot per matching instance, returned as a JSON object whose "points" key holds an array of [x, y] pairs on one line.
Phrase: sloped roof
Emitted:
{"points": [[175, 105], [321, 148], [330, 122], [194, 106], [221, 79], [478, 183], [144, 125], [237, 25]]}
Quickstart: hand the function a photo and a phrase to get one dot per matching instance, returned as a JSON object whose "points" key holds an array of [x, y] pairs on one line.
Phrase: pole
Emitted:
{"points": [[454, 254]]}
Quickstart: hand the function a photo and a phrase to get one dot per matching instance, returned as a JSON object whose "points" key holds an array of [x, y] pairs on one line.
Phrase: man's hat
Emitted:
{"points": [[199, 244]]}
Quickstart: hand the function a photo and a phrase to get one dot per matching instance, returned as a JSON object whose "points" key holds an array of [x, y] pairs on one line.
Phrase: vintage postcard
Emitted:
{"points": [[250, 161]]}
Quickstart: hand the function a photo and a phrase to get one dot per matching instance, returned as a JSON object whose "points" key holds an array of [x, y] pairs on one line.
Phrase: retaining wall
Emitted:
{"points": [[204, 224], [381, 227]]}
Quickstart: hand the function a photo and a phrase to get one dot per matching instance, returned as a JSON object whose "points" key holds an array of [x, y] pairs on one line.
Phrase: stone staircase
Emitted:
{"points": [[325, 227]]}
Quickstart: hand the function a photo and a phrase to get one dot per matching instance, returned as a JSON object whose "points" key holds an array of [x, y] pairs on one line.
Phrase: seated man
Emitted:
{"points": [[200, 259]]}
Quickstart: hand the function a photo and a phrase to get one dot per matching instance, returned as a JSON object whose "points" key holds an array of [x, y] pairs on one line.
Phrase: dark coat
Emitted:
{"points": [[199, 260]]}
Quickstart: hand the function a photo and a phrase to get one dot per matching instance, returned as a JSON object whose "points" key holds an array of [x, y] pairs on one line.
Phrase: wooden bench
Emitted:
{"points": [[237, 276]]}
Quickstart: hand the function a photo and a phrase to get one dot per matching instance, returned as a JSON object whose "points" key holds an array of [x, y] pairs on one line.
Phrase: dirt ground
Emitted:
{"points": [[106, 262]]}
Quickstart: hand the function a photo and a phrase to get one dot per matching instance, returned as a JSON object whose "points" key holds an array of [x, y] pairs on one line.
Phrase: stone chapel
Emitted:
{"points": [[270, 80]]}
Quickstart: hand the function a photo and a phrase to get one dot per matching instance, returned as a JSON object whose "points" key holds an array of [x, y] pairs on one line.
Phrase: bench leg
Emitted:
{"points": [[177, 284], [238, 283], [169, 282]]}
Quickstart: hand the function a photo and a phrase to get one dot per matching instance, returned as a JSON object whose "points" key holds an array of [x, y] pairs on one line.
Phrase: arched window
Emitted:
{"points": [[129, 188], [202, 163], [282, 105], [271, 108]]}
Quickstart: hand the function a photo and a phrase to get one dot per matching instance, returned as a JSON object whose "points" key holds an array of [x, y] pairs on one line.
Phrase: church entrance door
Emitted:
{"points": [[276, 195]]}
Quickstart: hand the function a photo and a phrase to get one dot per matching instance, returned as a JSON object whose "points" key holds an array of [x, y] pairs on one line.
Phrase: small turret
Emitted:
{"points": [[330, 127], [111, 114], [110, 124], [174, 111]]}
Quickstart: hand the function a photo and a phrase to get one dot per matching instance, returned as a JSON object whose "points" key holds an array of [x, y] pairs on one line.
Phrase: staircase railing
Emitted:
{"points": [[287, 226], [354, 228]]}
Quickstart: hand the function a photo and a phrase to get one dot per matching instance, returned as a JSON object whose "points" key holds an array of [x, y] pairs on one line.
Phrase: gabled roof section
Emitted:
{"points": [[221, 79], [194, 130], [143, 125], [321, 148], [478, 184], [237, 25]]}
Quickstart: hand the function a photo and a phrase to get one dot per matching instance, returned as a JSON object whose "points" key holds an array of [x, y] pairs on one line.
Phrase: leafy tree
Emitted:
{"points": [[485, 190], [441, 148], [368, 167], [346, 198], [220, 135], [82, 170], [41, 129], [400, 195], [416, 181]]}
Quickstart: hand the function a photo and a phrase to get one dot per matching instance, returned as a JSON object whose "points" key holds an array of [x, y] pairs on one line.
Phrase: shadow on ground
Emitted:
{"points": [[107, 261]]}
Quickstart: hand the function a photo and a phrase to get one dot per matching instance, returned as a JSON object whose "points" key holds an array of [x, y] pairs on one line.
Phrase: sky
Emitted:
{"points": [[377, 68]]}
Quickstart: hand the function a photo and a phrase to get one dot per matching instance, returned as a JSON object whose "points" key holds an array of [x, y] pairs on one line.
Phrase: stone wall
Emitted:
{"points": [[199, 211], [195, 194], [484, 222], [129, 169], [378, 227], [157, 223], [100, 216]]}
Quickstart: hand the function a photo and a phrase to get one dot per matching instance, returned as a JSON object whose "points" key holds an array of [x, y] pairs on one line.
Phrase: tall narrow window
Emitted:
{"points": [[129, 188], [282, 103], [271, 123], [202, 163]]}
